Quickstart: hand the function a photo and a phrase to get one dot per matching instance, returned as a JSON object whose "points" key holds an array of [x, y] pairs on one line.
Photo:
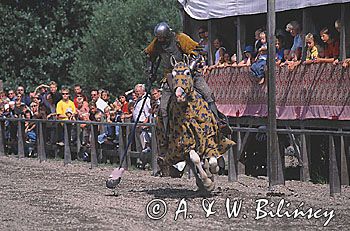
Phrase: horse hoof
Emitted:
{"points": [[112, 183]]}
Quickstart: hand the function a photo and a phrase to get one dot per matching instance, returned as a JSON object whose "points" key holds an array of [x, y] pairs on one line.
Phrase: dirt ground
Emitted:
{"points": [[50, 196]]}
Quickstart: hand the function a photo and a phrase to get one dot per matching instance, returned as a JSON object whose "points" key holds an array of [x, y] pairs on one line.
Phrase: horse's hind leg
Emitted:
{"points": [[208, 184]]}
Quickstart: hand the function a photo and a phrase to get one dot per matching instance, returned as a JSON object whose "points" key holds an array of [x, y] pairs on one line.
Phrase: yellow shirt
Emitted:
{"points": [[62, 107], [312, 54]]}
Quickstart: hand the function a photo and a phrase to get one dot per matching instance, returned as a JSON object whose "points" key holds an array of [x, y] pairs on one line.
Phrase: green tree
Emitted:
{"points": [[111, 57], [40, 39]]}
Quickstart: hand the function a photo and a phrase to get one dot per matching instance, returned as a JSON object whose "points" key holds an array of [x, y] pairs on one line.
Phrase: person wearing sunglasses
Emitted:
{"points": [[64, 105]]}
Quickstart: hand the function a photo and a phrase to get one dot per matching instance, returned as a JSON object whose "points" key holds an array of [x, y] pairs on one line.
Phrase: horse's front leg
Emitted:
{"points": [[208, 184]]}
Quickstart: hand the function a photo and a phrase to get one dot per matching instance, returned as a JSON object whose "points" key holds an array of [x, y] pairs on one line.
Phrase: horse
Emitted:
{"points": [[193, 135]]}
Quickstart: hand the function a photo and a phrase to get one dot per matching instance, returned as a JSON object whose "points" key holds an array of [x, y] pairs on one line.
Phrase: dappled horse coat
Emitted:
{"points": [[192, 125]]}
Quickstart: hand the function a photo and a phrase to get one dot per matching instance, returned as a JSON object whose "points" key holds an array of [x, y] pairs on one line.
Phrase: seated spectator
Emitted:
{"points": [[258, 68], [331, 51], [295, 51], [247, 57], [312, 51]]}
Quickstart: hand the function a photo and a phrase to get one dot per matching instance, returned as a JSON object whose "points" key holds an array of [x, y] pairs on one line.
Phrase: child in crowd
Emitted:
{"points": [[234, 60], [257, 43], [247, 57], [279, 50], [258, 68], [312, 51]]}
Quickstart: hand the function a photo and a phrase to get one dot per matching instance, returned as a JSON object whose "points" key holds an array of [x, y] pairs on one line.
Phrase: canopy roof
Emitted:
{"points": [[207, 9]]}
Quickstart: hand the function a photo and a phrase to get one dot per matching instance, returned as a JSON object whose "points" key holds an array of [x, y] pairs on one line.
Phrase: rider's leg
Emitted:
{"points": [[202, 87], [163, 107]]}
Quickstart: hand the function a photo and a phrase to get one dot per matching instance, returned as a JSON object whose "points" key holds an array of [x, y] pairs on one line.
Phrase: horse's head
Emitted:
{"points": [[182, 81]]}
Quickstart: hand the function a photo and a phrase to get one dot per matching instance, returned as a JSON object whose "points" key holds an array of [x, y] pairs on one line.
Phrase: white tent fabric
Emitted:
{"points": [[207, 9]]}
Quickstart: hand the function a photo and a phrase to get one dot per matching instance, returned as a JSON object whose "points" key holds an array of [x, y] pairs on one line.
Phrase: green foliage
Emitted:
{"points": [[112, 57], [40, 39]]}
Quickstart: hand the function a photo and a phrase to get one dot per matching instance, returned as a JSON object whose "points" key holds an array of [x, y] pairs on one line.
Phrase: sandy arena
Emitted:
{"points": [[49, 196]]}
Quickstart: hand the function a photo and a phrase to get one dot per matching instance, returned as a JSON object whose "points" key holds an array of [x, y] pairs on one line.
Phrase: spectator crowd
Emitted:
{"points": [[48, 103], [318, 48]]}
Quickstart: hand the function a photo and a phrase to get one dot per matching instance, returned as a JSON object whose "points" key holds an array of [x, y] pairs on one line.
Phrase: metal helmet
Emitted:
{"points": [[162, 30]]}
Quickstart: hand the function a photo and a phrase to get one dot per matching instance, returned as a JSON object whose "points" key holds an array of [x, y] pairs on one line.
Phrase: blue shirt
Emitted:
{"points": [[297, 43]]}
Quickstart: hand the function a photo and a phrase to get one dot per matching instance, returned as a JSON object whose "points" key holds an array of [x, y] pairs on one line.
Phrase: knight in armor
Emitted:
{"points": [[167, 43]]}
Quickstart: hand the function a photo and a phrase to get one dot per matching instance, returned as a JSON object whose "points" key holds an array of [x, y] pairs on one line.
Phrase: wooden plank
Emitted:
{"points": [[93, 147], [121, 149], [344, 168], [334, 179], [210, 40], [67, 153], [154, 151], [274, 165], [232, 169], [128, 130], [342, 33], [41, 141], [240, 37], [304, 170], [2, 141], [78, 139], [20, 138]]}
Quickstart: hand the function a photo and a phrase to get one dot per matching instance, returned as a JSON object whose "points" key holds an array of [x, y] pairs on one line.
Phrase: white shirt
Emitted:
{"points": [[146, 109]]}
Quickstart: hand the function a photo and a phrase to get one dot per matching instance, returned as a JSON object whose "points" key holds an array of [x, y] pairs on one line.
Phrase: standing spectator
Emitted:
{"points": [[141, 134], [331, 51], [124, 104], [155, 101], [100, 103], [220, 50], [24, 97], [77, 93], [11, 95], [56, 96], [203, 38], [258, 68], [295, 51], [65, 110]]}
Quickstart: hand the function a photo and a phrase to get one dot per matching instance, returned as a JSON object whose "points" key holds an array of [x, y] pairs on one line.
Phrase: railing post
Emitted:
{"points": [[20, 139], [93, 148], [121, 146], [129, 149], [67, 153], [344, 163], [78, 139], [304, 170], [41, 143], [154, 150], [232, 166], [334, 177], [2, 141]]}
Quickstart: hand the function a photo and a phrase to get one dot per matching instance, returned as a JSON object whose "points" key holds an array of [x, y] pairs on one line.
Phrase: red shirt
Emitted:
{"points": [[125, 108], [332, 50]]}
